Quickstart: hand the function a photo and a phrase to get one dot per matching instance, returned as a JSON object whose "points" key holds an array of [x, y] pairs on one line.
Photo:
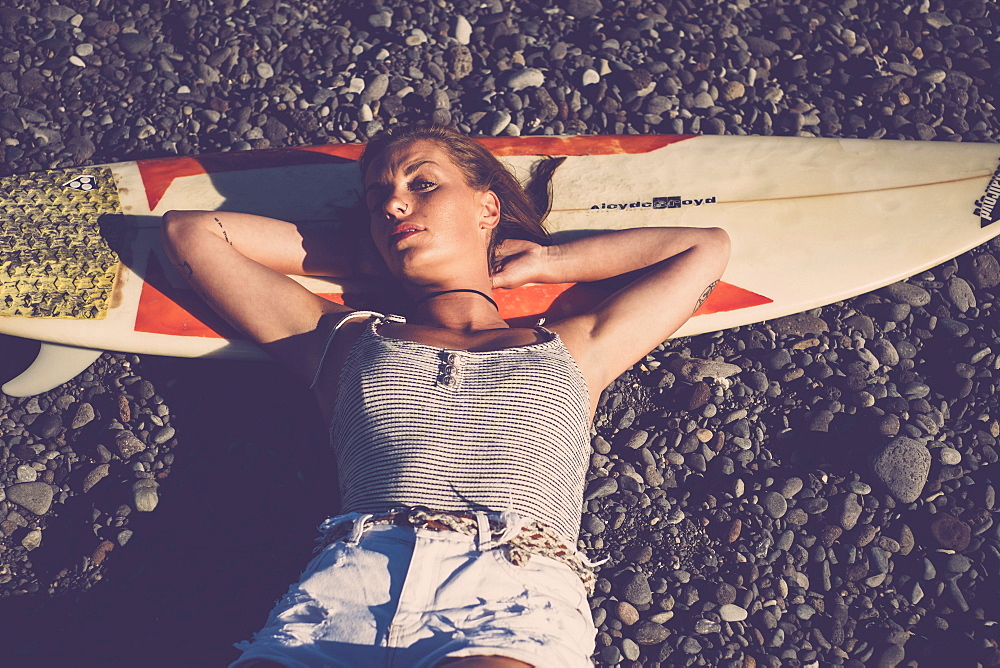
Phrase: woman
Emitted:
{"points": [[462, 443]]}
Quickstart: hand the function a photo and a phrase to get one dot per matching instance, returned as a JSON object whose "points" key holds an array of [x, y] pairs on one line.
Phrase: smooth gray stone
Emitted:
{"points": [[144, 495], [958, 563], [889, 657], [885, 352], [162, 435], [775, 505], [960, 293], [693, 370], [799, 324], [375, 89], [732, 613], [690, 646], [907, 293], [35, 497], [957, 595], [850, 511], [592, 524], [630, 649], [600, 488], [528, 77], [791, 487], [584, 9]]}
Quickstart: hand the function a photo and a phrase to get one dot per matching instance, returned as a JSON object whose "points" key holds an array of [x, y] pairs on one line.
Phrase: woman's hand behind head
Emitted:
{"points": [[521, 262]]}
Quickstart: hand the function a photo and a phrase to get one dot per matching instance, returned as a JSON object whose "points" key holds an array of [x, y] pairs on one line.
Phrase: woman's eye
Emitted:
{"points": [[422, 185]]}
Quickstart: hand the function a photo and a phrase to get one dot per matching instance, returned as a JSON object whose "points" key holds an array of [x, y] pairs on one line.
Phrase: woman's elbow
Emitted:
{"points": [[719, 244], [176, 223], [179, 217], [176, 228]]}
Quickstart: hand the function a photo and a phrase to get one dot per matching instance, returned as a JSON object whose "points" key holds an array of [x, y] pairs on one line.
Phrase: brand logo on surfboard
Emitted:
{"points": [[672, 202], [84, 182], [986, 206]]}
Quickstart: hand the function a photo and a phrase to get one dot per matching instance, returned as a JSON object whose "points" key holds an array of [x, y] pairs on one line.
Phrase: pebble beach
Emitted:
{"points": [[817, 490]]}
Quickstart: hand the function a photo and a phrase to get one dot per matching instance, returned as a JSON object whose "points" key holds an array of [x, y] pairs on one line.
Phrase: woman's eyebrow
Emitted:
{"points": [[406, 172], [417, 165]]}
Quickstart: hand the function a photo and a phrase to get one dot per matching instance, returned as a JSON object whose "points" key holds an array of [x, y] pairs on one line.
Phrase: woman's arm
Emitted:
{"points": [[237, 263], [676, 267], [303, 250]]}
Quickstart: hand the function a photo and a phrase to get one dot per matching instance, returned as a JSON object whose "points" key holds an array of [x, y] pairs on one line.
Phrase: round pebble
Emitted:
{"points": [[528, 77], [732, 613], [950, 456], [775, 505], [463, 30]]}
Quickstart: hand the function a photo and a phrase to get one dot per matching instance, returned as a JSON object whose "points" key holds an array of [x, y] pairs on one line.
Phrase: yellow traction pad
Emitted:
{"points": [[58, 232]]}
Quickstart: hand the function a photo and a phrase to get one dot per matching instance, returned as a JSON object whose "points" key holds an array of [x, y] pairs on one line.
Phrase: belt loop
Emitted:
{"points": [[358, 529], [330, 525], [512, 524], [333, 522], [485, 535]]}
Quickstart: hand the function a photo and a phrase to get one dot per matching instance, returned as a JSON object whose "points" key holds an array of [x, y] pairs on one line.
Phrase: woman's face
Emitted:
{"points": [[429, 225]]}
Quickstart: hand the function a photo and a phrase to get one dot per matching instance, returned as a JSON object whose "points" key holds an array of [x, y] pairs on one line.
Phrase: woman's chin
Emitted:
{"points": [[419, 268]]}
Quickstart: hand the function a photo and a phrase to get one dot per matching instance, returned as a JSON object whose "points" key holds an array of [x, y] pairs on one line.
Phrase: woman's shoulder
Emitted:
{"points": [[340, 333]]}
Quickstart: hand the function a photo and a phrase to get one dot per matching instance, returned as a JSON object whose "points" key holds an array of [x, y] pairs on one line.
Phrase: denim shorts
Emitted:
{"points": [[410, 597]]}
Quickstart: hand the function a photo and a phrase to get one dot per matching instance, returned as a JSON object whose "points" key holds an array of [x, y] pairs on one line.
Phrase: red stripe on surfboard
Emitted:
{"points": [[729, 297], [348, 151], [579, 145], [158, 174], [164, 309]]}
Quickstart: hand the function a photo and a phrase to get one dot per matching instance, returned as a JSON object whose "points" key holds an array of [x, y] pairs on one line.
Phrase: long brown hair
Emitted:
{"points": [[522, 209]]}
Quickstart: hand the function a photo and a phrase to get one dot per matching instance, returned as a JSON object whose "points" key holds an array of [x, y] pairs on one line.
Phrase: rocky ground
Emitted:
{"points": [[818, 490]]}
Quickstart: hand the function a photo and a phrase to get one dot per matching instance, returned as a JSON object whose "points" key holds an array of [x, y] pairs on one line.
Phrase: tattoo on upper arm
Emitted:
{"points": [[185, 269], [187, 272], [224, 235], [704, 295]]}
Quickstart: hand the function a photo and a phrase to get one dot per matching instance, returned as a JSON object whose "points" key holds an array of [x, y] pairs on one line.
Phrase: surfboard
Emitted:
{"points": [[812, 221]]}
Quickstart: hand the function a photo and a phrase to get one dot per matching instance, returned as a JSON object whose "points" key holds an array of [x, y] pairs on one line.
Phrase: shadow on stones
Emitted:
{"points": [[846, 448], [940, 355], [235, 525], [16, 355], [936, 647], [69, 536]]}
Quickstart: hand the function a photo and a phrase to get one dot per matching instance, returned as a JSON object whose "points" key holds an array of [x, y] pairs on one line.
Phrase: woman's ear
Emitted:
{"points": [[490, 217]]}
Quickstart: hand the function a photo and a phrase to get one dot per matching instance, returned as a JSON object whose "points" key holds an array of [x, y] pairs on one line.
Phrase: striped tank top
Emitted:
{"points": [[417, 425]]}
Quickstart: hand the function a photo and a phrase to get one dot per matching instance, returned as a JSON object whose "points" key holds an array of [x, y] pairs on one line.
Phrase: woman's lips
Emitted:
{"points": [[396, 237]]}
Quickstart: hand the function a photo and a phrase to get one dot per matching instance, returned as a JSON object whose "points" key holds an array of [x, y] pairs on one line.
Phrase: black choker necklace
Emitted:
{"points": [[444, 292]]}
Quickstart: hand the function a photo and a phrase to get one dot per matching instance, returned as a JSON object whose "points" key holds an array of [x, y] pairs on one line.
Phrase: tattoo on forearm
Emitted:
{"points": [[224, 235], [704, 295]]}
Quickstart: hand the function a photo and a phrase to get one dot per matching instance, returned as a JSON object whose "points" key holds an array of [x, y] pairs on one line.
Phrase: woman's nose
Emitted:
{"points": [[395, 205]]}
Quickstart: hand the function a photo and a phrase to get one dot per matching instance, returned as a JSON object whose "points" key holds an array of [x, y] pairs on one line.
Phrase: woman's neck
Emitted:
{"points": [[465, 312]]}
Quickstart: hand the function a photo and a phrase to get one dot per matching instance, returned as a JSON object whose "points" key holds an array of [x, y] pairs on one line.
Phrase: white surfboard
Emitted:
{"points": [[812, 221]]}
